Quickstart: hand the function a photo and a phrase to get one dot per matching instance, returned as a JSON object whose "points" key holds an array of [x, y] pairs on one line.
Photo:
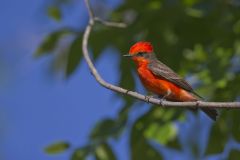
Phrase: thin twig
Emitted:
{"points": [[198, 104], [110, 24], [89, 9]]}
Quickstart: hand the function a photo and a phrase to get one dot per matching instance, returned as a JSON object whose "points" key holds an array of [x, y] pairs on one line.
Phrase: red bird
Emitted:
{"points": [[160, 79]]}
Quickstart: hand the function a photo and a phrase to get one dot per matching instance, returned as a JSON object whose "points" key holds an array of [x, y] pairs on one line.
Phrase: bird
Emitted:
{"points": [[161, 80]]}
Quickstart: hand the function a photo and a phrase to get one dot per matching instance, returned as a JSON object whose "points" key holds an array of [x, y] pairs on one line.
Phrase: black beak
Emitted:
{"points": [[127, 55]]}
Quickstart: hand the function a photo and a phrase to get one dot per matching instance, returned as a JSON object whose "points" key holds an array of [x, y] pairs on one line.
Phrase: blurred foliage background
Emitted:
{"points": [[199, 39]]}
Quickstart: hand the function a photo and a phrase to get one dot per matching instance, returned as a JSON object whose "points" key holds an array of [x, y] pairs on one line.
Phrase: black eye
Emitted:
{"points": [[141, 54]]}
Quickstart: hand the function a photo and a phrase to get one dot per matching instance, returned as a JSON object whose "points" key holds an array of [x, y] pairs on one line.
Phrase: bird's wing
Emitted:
{"points": [[161, 70]]}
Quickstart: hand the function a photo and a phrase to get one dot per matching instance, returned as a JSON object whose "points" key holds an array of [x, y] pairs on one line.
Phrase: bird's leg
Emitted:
{"points": [[147, 97], [165, 96]]}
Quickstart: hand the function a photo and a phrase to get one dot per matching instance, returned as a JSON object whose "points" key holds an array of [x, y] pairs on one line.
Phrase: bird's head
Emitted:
{"points": [[141, 52]]}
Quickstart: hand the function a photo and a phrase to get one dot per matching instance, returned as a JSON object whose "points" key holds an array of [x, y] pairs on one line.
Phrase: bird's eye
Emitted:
{"points": [[140, 54]]}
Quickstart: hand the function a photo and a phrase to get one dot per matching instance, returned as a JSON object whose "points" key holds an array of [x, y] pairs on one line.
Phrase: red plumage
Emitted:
{"points": [[160, 79]]}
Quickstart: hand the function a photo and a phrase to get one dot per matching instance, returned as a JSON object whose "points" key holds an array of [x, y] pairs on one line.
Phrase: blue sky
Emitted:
{"points": [[36, 109]]}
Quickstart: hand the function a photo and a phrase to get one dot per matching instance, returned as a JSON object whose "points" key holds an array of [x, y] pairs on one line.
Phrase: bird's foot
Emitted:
{"points": [[147, 98], [163, 98]]}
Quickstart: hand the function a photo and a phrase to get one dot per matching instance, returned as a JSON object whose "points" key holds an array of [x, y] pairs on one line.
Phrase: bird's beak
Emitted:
{"points": [[127, 55]]}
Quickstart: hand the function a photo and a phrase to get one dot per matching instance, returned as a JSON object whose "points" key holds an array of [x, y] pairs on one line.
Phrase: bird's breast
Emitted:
{"points": [[151, 82], [161, 86]]}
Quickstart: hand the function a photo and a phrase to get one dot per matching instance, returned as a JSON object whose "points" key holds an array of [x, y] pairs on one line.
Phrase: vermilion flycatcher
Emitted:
{"points": [[160, 79]]}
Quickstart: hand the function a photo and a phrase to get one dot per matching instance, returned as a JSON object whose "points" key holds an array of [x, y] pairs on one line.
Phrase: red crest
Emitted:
{"points": [[141, 47]]}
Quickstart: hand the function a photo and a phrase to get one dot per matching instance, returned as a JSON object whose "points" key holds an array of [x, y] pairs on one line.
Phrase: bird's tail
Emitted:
{"points": [[211, 112]]}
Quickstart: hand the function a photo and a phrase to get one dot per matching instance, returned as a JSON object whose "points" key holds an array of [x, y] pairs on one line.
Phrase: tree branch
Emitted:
{"points": [[100, 80], [110, 24]]}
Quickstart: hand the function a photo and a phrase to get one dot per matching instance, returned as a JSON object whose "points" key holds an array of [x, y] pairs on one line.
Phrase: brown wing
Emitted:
{"points": [[161, 70]]}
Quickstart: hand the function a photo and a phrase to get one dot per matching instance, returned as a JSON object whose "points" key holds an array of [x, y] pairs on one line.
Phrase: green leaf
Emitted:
{"points": [[127, 78], [140, 148], [189, 2], [55, 13], [50, 42], [235, 128], [161, 133], [220, 134], [234, 154], [157, 125], [236, 27], [237, 46], [104, 152], [57, 148], [81, 153], [123, 113], [154, 5], [221, 83], [196, 13], [74, 56], [105, 128], [98, 42]]}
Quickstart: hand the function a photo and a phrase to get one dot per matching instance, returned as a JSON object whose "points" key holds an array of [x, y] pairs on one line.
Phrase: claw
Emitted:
{"points": [[163, 98], [147, 98]]}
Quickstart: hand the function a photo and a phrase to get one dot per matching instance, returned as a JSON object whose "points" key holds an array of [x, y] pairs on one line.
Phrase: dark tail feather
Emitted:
{"points": [[211, 112]]}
